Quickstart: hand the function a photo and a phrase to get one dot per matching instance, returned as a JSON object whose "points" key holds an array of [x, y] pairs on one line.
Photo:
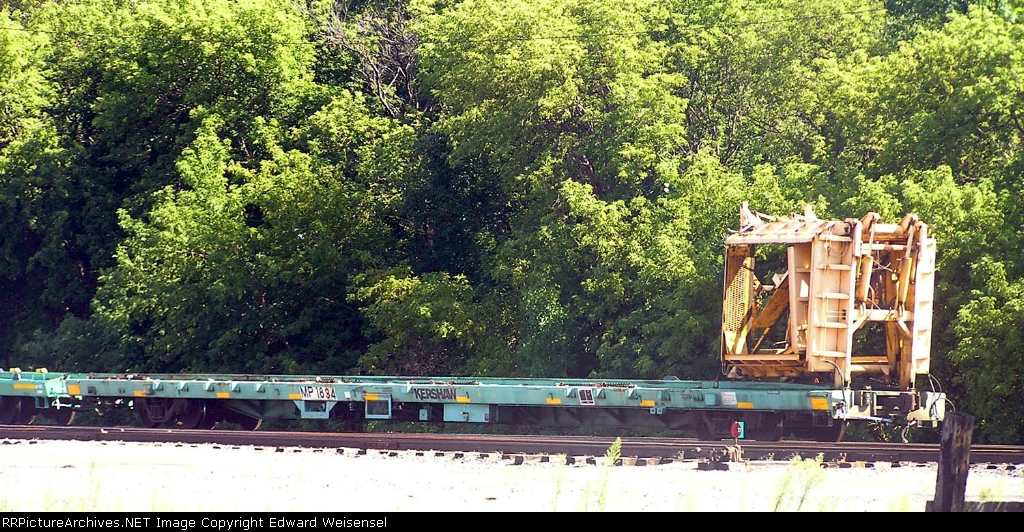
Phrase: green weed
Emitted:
{"points": [[614, 453], [801, 477], [901, 504], [559, 478], [991, 493], [602, 498]]}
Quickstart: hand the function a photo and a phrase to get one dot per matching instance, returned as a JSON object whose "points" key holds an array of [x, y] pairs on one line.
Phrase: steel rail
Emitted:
{"points": [[665, 448]]}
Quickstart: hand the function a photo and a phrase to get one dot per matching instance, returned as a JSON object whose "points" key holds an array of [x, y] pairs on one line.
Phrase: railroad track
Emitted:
{"points": [[642, 448]]}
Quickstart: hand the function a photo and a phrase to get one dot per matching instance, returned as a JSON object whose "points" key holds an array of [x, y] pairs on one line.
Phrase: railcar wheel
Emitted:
{"points": [[10, 410], [62, 416], [28, 411], [143, 409], [194, 416]]}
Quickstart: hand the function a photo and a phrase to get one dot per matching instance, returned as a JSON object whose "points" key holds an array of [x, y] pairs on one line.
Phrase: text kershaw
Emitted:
{"points": [[447, 394]]}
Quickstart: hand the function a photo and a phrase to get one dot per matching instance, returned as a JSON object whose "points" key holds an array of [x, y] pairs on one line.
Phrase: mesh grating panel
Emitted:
{"points": [[737, 300]]}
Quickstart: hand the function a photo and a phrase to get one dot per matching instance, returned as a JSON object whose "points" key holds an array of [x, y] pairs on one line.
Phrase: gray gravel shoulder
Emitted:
{"points": [[118, 476]]}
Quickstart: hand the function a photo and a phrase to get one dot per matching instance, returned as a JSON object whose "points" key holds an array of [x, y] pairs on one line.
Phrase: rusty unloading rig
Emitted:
{"points": [[846, 301], [849, 302]]}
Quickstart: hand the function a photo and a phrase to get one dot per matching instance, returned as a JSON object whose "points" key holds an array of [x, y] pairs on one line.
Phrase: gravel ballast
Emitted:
{"points": [[118, 476]]}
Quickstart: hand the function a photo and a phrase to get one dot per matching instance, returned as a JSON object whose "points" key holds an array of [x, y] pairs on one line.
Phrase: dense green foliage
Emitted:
{"points": [[488, 187]]}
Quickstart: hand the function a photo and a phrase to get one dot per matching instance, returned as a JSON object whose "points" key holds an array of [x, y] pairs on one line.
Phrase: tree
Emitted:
{"points": [[987, 357], [43, 273], [760, 79], [379, 37], [246, 269], [960, 113], [425, 323]]}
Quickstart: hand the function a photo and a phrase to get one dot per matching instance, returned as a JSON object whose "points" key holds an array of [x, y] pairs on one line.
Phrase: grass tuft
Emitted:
{"points": [[613, 455], [801, 477]]}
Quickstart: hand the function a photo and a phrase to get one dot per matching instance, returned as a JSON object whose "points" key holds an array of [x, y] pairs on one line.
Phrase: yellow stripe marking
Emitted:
{"points": [[647, 403], [370, 396], [554, 401], [294, 396], [24, 386], [744, 405], [819, 403], [223, 395], [139, 393], [75, 389], [460, 399]]}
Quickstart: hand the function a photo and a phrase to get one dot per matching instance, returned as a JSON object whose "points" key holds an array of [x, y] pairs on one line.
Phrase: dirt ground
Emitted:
{"points": [[87, 476]]}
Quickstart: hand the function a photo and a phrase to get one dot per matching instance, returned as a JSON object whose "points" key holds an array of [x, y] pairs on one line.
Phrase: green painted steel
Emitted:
{"points": [[32, 384], [315, 396]]}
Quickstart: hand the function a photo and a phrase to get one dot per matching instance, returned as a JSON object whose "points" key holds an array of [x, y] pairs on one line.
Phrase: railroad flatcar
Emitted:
{"points": [[851, 300]]}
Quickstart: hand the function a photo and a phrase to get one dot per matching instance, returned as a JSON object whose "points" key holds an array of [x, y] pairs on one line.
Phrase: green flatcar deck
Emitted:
{"points": [[711, 408]]}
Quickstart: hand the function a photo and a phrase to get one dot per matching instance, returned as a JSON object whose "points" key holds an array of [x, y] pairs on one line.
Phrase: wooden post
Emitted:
{"points": [[954, 463]]}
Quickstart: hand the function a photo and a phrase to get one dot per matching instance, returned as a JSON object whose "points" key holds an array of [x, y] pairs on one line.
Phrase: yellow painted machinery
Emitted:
{"points": [[809, 299]]}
